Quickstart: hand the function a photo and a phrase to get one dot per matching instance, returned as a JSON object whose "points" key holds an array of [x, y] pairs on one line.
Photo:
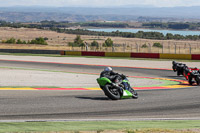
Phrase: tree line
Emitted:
{"points": [[66, 24], [139, 34], [40, 40], [172, 25], [78, 42], [103, 24], [61, 27]]}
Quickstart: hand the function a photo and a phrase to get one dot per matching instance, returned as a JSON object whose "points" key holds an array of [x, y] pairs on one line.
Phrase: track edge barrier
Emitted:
{"points": [[133, 55]]}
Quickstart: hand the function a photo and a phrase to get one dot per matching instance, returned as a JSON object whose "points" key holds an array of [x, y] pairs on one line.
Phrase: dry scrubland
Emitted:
{"points": [[59, 41]]}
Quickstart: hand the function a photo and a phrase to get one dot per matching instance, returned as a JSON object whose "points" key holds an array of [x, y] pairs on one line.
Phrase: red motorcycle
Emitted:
{"points": [[191, 74]]}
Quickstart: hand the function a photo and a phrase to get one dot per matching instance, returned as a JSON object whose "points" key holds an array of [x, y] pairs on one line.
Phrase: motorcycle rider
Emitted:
{"points": [[109, 73], [113, 76]]}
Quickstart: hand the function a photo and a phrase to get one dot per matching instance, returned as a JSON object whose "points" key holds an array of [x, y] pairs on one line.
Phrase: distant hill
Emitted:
{"points": [[58, 17], [33, 13]]}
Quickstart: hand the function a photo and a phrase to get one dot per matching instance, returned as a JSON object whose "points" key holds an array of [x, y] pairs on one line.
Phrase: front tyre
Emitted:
{"points": [[197, 80], [111, 92], [178, 73], [135, 94], [190, 81]]}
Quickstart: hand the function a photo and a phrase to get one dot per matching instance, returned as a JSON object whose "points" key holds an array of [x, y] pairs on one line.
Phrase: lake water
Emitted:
{"points": [[181, 32]]}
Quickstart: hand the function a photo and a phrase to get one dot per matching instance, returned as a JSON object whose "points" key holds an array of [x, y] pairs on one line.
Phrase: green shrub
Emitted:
{"points": [[108, 43], [95, 44], [157, 44], [144, 46], [78, 42], [11, 40], [39, 40], [19, 41]]}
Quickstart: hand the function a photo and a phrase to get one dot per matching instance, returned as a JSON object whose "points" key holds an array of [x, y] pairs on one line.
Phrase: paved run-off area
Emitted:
{"points": [[60, 79], [100, 61], [42, 78]]}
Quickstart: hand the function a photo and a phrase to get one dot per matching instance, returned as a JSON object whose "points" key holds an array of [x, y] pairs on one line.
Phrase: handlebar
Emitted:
{"points": [[122, 75]]}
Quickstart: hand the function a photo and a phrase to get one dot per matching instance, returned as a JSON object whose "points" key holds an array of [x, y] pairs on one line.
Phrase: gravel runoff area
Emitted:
{"points": [[100, 61], [17, 77]]}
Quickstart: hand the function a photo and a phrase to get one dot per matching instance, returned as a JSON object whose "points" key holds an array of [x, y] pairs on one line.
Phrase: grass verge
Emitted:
{"points": [[128, 126]]}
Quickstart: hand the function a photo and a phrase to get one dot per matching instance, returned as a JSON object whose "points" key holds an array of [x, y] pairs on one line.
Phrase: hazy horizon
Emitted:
{"points": [[124, 6], [102, 3]]}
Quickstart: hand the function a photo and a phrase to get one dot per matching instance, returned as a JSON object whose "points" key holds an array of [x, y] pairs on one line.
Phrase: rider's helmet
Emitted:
{"points": [[173, 62], [108, 69]]}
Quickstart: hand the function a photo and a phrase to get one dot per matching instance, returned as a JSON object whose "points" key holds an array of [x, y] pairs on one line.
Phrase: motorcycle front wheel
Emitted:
{"points": [[190, 81], [197, 80], [111, 92], [135, 94]]}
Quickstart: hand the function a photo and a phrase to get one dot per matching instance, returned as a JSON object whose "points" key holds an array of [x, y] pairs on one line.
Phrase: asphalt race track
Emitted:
{"points": [[181, 103]]}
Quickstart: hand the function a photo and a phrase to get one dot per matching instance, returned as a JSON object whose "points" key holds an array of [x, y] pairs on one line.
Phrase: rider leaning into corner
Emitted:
{"points": [[110, 74], [119, 82]]}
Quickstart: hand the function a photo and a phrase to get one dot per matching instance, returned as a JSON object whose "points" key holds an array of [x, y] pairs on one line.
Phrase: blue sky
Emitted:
{"points": [[99, 3]]}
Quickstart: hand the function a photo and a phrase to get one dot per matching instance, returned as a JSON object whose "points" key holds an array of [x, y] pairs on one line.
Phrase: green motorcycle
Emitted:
{"points": [[119, 89]]}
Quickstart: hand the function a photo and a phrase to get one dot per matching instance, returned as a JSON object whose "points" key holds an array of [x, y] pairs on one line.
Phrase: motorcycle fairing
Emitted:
{"points": [[103, 81], [126, 94]]}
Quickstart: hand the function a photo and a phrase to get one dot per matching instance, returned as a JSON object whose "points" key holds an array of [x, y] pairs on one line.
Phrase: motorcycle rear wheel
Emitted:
{"points": [[111, 92]]}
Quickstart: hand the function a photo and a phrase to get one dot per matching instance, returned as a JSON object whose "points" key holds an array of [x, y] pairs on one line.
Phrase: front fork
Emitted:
{"points": [[126, 85]]}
